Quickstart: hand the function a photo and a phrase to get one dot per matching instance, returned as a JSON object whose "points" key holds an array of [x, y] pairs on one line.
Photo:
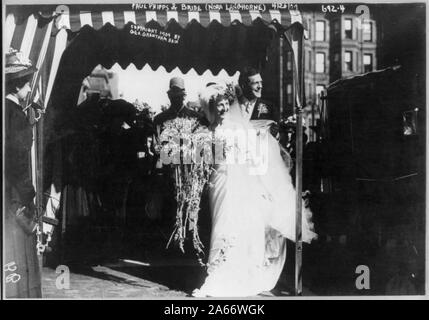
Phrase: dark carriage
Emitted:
{"points": [[374, 168]]}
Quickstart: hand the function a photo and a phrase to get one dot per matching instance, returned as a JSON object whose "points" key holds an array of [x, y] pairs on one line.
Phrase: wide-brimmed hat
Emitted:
{"points": [[177, 85], [17, 66]]}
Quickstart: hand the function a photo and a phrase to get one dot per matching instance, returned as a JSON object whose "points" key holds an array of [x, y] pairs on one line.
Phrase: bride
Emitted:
{"points": [[252, 204]]}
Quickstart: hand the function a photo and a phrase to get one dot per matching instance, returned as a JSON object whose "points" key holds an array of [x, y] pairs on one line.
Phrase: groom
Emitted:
{"points": [[252, 106]]}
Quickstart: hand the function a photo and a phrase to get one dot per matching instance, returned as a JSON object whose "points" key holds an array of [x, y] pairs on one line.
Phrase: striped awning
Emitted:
{"points": [[35, 29], [74, 17]]}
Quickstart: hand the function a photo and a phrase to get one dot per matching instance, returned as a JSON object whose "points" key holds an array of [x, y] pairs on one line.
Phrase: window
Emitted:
{"points": [[319, 89], [348, 28], [320, 62], [289, 61], [320, 30], [289, 93], [367, 31], [348, 61], [367, 62], [308, 61]]}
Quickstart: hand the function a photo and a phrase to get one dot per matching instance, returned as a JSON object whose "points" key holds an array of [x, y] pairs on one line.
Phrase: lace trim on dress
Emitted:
{"points": [[273, 246], [221, 254]]}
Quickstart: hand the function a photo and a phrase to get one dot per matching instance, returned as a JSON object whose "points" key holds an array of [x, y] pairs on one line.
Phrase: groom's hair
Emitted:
{"points": [[245, 73]]}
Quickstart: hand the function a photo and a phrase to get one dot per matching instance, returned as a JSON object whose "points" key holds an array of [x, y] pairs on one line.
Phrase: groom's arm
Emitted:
{"points": [[274, 129]]}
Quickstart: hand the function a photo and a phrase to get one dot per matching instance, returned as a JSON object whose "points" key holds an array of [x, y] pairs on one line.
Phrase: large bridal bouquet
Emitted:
{"points": [[187, 147]]}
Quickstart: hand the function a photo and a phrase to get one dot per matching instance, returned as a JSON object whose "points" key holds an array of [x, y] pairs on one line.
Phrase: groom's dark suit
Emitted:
{"points": [[263, 110]]}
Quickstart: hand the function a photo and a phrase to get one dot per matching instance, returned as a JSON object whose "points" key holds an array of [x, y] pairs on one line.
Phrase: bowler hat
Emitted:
{"points": [[17, 66], [177, 85]]}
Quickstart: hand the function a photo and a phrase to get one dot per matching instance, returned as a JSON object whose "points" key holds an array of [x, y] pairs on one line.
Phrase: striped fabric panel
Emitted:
{"points": [[193, 15], [215, 16], [275, 15], [246, 18], [63, 21], [108, 17], [225, 18], [37, 44], [85, 18], [183, 18], [28, 37], [161, 18], [55, 50], [9, 29], [172, 15], [266, 16], [235, 16], [40, 80], [130, 16], [46, 69], [98, 15], [255, 15], [18, 35], [150, 15], [204, 18], [141, 18], [285, 18], [97, 20], [74, 18], [118, 18]]}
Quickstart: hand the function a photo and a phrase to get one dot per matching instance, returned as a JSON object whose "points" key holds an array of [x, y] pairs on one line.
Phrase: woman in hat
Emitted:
{"points": [[252, 205], [21, 268]]}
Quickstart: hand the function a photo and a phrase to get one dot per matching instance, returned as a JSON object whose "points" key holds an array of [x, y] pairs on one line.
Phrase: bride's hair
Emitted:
{"points": [[214, 93]]}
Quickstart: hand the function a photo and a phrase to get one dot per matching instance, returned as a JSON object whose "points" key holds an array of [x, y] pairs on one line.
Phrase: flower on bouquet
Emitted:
{"points": [[187, 147], [292, 120]]}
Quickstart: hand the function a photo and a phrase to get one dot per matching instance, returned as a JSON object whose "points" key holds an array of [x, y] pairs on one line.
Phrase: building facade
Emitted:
{"points": [[102, 81], [338, 46]]}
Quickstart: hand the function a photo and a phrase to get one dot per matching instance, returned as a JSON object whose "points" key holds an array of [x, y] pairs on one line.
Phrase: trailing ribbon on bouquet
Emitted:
{"points": [[187, 147]]}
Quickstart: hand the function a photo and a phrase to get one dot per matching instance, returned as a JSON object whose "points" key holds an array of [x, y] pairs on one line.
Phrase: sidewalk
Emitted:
{"points": [[130, 279], [101, 282]]}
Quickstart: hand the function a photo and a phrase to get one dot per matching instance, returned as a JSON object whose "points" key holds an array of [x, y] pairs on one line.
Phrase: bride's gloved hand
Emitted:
{"points": [[306, 198]]}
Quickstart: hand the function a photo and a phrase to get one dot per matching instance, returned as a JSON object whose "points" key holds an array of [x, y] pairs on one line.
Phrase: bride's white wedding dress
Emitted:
{"points": [[252, 215]]}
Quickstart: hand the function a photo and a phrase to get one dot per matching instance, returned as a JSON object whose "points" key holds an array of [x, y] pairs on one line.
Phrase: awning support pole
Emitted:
{"points": [[281, 75], [298, 167]]}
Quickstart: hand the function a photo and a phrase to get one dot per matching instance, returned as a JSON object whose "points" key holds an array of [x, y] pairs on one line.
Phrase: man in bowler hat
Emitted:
{"points": [[176, 95]]}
